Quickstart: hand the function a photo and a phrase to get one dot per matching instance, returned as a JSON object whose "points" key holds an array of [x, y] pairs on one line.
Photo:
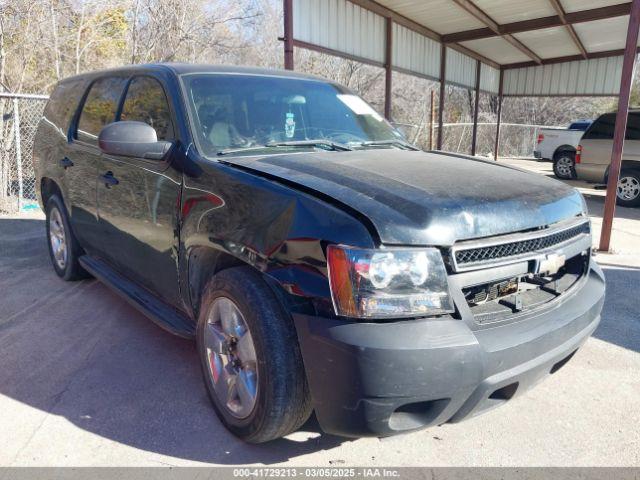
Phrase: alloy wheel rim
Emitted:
{"points": [[628, 188], [564, 165], [57, 238], [231, 358]]}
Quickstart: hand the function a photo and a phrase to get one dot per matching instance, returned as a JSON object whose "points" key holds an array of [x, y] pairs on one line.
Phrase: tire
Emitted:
{"points": [[64, 249], [274, 375], [628, 191], [564, 165]]}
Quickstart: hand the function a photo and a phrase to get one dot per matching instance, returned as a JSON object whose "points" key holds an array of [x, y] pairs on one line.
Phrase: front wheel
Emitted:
{"points": [[564, 165], [628, 191], [250, 358]]}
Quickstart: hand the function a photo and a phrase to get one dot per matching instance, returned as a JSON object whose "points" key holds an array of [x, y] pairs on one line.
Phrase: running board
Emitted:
{"points": [[159, 312]]}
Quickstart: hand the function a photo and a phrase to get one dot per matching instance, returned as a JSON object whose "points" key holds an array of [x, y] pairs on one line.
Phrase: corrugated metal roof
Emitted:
{"points": [[549, 42], [603, 35], [497, 49], [578, 5], [599, 76], [461, 69], [489, 79], [415, 53], [340, 25], [351, 28], [515, 10], [441, 16]]}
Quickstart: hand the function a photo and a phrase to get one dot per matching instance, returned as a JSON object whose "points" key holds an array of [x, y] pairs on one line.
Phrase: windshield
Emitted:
{"points": [[236, 113]]}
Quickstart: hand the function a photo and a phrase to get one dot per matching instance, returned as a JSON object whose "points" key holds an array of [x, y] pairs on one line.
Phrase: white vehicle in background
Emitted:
{"points": [[559, 145]]}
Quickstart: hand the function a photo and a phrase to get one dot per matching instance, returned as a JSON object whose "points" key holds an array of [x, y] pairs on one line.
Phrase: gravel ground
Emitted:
{"points": [[85, 380]]}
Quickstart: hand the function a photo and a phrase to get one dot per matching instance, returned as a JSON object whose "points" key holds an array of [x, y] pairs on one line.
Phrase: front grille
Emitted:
{"points": [[489, 253]]}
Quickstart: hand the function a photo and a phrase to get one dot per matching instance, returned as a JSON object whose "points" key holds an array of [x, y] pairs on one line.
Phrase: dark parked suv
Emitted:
{"points": [[320, 261]]}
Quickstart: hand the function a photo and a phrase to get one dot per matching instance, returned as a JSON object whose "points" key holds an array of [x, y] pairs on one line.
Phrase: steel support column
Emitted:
{"points": [[443, 81], [288, 34], [432, 119], [388, 72], [628, 66], [474, 136], [496, 149]]}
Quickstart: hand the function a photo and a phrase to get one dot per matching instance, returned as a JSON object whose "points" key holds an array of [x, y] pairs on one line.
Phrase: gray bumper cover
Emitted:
{"points": [[384, 378]]}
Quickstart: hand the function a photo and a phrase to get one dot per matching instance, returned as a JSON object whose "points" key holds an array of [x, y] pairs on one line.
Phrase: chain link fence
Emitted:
{"points": [[516, 140], [19, 117]]}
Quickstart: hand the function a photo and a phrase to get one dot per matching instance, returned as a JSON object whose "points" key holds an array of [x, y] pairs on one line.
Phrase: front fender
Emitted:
{"points": [[230, 216]]}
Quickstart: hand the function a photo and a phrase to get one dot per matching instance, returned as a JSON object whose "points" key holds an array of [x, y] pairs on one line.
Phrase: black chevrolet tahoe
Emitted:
{"points": [[320, 261]]}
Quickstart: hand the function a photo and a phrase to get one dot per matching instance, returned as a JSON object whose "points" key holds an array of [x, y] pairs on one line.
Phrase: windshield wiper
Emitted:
{"points": [[382, 143], [326, 144], [228, 151], [311, 143]]}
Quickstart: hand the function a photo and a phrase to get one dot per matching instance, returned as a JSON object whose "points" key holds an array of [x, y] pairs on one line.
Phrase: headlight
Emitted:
{"points": [[388, 283]]}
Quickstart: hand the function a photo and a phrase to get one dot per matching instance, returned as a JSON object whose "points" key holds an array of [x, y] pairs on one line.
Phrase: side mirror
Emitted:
{"points": [[132, 139]]}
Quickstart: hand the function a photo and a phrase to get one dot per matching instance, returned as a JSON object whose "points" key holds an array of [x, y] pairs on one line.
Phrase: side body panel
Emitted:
{"points": [[138, 224]]}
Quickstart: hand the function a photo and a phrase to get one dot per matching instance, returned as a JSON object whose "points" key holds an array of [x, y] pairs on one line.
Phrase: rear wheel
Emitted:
{"points": [[628, 191], [564, 165], [64, 249], [250, 358]]}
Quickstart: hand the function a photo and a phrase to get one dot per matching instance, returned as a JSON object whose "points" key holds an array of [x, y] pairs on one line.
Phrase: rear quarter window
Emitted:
{"points": [[633, 127], [62, 104], [604, 127]]}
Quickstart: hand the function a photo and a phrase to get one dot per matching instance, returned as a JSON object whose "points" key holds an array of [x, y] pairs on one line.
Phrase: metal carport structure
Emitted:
{"points": [[502, 47]]}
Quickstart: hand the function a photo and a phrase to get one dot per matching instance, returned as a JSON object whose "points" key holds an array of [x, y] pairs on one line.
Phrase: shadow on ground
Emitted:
{"points": [[620, 322], [77, 351]]}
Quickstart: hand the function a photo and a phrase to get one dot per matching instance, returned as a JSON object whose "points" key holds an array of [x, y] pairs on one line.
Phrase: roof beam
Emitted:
{"points": [[557, 6], [476, 12], [383, 11], [572, 18]]}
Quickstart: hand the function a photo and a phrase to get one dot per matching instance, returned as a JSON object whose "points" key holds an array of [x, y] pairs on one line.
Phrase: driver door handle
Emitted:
{"points": [[109, 180], [66, 163]]}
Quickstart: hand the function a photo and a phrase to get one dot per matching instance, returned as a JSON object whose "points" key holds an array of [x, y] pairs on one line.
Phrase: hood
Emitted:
{"points": [[419, 198]]}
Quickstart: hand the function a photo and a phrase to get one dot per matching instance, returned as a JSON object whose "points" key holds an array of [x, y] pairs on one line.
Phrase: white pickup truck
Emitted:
{"points": [[559, 145]]}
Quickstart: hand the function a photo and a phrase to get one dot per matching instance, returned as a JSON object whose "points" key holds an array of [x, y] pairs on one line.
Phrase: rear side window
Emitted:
{"points": [[62, 104], [146, 102], [633, 127], [602, 128], [99, 107]]}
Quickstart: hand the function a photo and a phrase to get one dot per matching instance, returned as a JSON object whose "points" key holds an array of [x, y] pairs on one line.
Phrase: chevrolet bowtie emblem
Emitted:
{"points": [[551, 264]]}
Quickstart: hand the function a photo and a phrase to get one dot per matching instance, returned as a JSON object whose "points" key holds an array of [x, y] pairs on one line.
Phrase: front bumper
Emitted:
{"points": [[537, 154], [378, 379]]}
